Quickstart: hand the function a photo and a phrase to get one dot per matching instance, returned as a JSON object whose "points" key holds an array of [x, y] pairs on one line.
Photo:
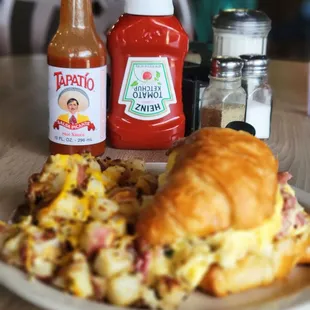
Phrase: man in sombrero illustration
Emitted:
{"points": [[73, 101]]}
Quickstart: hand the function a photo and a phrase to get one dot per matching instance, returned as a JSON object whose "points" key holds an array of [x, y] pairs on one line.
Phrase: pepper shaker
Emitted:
{"points": [[259, 94], [224, 100]]}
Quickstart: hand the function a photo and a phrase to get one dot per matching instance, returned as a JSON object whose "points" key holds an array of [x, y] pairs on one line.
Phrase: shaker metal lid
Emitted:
{"points": [[226, 67], [254, 64], [243, 21]]}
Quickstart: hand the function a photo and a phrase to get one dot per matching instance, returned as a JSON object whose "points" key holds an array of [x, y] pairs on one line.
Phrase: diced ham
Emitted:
{"points": [[286, 225], [95, 237], [48, 235], [284, 177], [98, 240], [170, 282], [99, 287], [141, 245], [81, 177], [2, 227], [44, 235], [300, 220], [143, 263], [24, 254], [289, 207], [289, 202]]}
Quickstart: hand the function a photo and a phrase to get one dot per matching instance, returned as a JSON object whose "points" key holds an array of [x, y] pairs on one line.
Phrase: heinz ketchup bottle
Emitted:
{"points": [[77, 83], [147, 48]]}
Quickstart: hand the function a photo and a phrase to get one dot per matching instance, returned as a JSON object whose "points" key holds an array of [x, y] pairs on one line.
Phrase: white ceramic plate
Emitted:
{"points": [[294, 293]]}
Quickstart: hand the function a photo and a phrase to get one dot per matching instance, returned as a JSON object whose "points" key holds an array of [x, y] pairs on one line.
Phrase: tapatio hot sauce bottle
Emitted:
{"points": [[147, 48], [77, 83]]}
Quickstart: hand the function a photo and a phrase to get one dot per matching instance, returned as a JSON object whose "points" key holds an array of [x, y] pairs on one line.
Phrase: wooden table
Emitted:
{"points": [[23, 132]]}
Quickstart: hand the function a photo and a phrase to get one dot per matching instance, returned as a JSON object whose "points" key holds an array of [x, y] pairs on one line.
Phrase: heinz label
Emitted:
{"points": [[147, 89], [77, 105]]}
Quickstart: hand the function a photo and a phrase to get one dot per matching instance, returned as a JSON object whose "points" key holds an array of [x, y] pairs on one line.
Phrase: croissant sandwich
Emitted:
{"points": [[222, 187]]}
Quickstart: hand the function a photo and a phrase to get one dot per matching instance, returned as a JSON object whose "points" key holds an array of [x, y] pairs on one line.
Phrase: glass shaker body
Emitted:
{"points": [[259, 104], [240, 31], [227, 42], [223, 101]]}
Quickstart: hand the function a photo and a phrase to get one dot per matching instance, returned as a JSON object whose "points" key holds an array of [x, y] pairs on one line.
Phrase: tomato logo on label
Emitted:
{"points": [[147, 76]]}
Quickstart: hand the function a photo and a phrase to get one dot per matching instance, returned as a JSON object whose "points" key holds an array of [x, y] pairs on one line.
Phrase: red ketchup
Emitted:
{"points": [[147, 48]]}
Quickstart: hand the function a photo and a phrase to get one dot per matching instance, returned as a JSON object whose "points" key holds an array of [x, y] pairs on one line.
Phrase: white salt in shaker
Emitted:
{"points": [[240, 31], [259, 94]]}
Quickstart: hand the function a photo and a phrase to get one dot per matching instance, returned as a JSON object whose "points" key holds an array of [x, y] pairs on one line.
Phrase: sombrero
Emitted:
{"points": [[73, 93]]}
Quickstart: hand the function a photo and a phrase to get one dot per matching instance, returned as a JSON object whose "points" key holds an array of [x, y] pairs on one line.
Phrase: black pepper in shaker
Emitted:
{"points": [[224, 100]]}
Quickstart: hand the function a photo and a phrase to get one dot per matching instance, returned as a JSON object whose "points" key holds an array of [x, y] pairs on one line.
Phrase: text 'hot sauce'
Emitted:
{"points": [[147, 48], [77, 83]]}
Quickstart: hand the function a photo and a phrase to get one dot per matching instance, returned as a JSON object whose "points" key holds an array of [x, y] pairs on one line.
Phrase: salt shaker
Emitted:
{"points": [[259, 94], [224, 100]]}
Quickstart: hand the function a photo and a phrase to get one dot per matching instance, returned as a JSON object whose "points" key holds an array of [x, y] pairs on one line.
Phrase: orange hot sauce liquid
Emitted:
{"points": [[145, 36], [76, 45]]}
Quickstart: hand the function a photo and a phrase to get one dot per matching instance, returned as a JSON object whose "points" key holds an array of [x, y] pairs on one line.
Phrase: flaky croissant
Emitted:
{"points": [[220, 178]]}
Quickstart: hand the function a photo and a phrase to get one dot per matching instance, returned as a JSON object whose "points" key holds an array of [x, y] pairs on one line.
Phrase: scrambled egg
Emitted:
{"points": [[232, 245]]}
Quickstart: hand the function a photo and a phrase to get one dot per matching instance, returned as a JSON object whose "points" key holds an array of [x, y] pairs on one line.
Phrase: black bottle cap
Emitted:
{"points": [[238, 125]]}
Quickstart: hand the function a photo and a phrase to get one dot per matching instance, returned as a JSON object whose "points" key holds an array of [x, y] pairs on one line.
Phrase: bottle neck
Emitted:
{"points": [[225, 83], [76, 14]]}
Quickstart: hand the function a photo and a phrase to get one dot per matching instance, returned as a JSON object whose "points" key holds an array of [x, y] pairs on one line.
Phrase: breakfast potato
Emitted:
{"points": [[67, 206], [41, 251], [10, 251], [102, 209], [70, 232], [60, 172], [111, 176], [6, 231], [42, 268], [135, 164], [118, 224], [124, 290], [94, 185], [147, 184], [110, 262], [126, 198], [170, 291], [78, 276]]}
